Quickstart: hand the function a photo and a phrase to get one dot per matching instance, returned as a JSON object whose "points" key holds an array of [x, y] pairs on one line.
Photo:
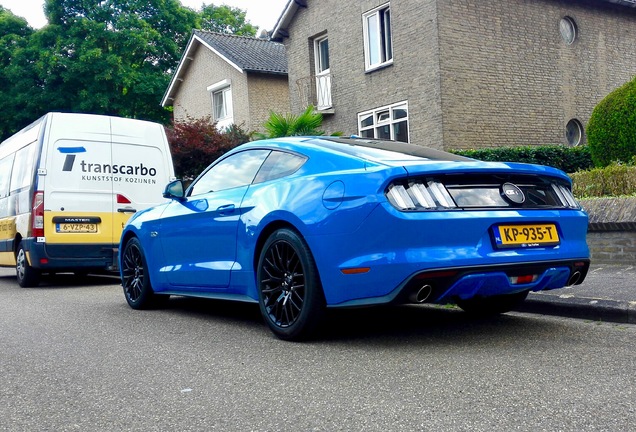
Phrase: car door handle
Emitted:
{"points": [[226, 208], [127, 210]]}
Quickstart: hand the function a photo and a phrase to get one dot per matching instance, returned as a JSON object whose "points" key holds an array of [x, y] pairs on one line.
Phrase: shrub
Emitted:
{"points": [[611, 131], [195, 143], [613, 180], [282, 125], [568, 159]]}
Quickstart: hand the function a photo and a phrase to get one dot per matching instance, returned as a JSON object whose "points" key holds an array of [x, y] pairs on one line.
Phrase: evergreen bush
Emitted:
{"points": [[611, 131]]}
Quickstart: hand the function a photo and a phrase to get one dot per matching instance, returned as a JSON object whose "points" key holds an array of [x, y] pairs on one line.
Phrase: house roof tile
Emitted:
{"points": [[248, 53]]}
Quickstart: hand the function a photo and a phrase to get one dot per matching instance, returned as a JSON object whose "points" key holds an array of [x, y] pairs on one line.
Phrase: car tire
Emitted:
{"points": [[290, 294], [494, 305], [27, 275], [136, 280]]}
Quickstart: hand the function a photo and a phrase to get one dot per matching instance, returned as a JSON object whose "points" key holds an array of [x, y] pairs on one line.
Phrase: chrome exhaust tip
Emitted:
{"points": [[422, 294], [574, 278]]}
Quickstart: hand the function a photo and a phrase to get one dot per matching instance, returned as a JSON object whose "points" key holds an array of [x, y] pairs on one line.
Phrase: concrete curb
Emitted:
{"points": [[584, 308]]}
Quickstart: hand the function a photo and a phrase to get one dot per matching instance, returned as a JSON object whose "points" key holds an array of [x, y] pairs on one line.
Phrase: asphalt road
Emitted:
{"points": [[75, 357]]}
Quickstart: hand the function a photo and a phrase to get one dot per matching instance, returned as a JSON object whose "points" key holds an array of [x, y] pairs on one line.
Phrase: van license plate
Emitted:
{"points": [[526, 235], [76, 228]]}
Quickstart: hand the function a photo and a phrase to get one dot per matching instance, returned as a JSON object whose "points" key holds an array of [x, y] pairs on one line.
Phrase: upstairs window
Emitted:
{"points": [[222, 112], [323, 75], [378, 48]]}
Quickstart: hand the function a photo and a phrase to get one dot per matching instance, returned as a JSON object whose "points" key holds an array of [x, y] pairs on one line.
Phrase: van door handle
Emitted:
{"points": [[127, 210], [226, 208]]}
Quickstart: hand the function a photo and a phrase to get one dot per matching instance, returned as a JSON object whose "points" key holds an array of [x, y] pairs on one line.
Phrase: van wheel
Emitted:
{"points": [[27, 275], [135, 278]]}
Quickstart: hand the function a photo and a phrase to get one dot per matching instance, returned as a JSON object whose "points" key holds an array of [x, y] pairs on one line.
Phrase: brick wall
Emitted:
{"points": [[612, 247], [612, 230], [266, 93], [508, 78], [413, 77], [475, 73]]}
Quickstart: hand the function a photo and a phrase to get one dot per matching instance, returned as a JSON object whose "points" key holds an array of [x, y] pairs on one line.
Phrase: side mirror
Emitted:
{"points": [[174, 190]]}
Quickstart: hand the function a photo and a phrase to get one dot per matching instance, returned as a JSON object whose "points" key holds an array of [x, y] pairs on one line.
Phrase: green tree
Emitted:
{"points": [[611, 131], [225, 19], [14, 38], [111, 57]]}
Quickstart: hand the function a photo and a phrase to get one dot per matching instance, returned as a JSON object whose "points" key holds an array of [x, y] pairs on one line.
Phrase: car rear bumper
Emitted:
{"points": [[399, 249], [446, 285]]}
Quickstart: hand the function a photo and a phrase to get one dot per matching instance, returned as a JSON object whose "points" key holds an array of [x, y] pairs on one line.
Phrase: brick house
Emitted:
{"points": [[232, 79], [458, 73]]}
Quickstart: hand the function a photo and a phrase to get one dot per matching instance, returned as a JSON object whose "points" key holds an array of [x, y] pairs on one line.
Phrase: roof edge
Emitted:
{"points": [[185, 58], [280, 29]]}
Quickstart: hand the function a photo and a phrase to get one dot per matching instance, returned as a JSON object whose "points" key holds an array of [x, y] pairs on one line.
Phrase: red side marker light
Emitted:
{"points": [[355, 270]]}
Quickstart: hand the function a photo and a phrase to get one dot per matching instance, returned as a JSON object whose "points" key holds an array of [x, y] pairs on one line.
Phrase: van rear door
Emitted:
{"points": [[142, 166], [78, 189]]}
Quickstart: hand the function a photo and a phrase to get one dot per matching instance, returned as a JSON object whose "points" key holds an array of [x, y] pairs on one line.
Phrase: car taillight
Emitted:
{"points": [[565, 196], [420, 194], [37, 214]]}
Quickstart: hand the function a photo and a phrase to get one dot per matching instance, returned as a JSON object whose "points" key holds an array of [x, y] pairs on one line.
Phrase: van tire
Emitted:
{"points": [[27, 275]]}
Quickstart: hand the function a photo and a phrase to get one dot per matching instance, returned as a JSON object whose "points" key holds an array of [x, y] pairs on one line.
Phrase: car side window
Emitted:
{"points": [[234, 171], [279, 164]]}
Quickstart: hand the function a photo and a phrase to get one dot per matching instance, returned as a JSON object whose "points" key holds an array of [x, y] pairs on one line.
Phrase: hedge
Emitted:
{"points": [[613, 180], [568, 159]]}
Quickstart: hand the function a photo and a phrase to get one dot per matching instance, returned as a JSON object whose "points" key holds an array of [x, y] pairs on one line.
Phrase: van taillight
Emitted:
{"points": [[38, 214], [121, 199]]}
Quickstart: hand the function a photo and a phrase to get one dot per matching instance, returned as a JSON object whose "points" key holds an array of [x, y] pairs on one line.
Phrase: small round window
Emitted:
{"points": [[567, 27], [574, 132]]}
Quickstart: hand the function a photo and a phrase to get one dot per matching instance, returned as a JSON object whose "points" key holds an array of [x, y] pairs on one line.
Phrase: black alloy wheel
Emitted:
{"points": [[290, 295], [135, 280]]}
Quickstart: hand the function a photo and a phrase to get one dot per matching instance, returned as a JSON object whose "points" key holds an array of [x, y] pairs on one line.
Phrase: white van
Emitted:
{"points": [[69, 183]]}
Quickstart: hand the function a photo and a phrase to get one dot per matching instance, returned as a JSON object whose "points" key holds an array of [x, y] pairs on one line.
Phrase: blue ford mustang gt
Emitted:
{"points": [[301, 224]]}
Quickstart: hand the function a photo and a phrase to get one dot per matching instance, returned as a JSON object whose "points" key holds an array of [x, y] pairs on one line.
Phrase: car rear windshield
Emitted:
{"points": [[387, 150]]}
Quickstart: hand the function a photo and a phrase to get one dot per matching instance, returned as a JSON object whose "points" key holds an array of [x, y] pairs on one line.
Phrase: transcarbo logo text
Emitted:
{"points": [[102, 168], [118, 169]]}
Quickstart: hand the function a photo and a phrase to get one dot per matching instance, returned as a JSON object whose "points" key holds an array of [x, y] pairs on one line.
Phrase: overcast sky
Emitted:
{"points": [[262, 13]]}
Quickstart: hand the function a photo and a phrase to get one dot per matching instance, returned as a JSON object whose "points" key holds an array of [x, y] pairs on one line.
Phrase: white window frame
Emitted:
{"points": [[323, 75], [381, 41], [224, 90], [379, 119]]}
